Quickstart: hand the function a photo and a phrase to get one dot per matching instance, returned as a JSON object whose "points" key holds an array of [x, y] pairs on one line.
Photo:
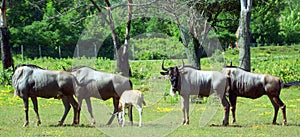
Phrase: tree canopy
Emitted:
{"points": [[53, 24]]}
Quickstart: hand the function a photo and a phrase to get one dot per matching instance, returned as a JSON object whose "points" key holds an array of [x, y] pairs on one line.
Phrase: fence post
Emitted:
{"points": [[132, 52], [40, 51], [77, 48], [59, 52], [152, 51], [22, 52], [95, 50]]}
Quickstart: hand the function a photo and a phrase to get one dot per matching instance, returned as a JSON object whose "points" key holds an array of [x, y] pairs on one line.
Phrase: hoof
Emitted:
{"points": [[185, 123], [75, 124], [26, 124], [38, 123], [225, 123], [59, 123], [284, 123]]}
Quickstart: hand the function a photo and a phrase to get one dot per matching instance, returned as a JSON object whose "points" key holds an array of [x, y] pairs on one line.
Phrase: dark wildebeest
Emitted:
{"points": [[33, 81], [100, 85], [252, 85], [188, 81]]}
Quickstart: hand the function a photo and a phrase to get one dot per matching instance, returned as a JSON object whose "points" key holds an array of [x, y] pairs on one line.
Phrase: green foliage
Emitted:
{"points": [[157, 48], [6, 76], [290, 22], [265, 21], [280, 61]]}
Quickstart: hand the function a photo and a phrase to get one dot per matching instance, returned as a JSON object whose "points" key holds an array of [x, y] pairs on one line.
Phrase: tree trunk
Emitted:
{"points": [[122, 52], [244, 34], [7, 60]]}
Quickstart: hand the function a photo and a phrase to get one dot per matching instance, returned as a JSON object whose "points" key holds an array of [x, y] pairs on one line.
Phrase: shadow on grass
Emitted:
{"points": [[70, 125], [155, 125], [216, 125], [288, 124]]}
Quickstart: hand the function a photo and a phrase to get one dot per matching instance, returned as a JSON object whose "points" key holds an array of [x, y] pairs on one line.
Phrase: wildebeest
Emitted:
{"points": [[33, 81], [188, 81], [100, 85], [128, 99], [252, 85]]}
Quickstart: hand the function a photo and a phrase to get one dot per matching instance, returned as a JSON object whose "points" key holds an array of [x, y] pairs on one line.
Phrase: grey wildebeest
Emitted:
{"points": [[100, 85], [188, 81], [33, 81], [252, 85], [128, 99]]}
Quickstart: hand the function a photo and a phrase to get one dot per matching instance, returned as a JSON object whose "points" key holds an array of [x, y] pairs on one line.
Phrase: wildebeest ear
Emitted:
{"points": [[164, 73]]}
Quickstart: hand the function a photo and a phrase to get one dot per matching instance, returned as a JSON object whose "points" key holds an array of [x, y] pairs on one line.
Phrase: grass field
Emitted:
{"points": [[162, 116]]}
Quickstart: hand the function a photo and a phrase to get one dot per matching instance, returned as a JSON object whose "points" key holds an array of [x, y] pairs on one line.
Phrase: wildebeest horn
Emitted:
{"points": [[162, 66], [182, 65]]}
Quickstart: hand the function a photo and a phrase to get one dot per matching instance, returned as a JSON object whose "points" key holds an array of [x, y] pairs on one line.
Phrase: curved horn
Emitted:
{"points": [[181, 65], [162, 66]]}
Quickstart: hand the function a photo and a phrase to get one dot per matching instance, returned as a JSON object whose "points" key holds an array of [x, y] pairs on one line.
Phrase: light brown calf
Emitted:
{"points": [[128, 99]]}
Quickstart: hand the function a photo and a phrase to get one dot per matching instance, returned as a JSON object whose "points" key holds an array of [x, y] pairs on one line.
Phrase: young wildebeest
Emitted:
{"points": [[100, 85], [33, 81], [128, 99], [189, 81], [251, 85]]}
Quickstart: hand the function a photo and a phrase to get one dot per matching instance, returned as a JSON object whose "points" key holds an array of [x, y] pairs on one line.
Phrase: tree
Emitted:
{"points": [[290, 22], [121, 51], [244, 34], [7, 60], [265, 21], [195, 20]]}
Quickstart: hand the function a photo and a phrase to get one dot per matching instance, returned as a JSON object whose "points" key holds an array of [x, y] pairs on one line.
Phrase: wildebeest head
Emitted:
{"points": [[174, 76]]}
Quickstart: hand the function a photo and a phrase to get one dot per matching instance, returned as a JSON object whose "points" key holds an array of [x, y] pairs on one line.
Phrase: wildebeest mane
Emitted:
{"points": [[235, 67], [189, 66], [28, 65], [78, 67]]}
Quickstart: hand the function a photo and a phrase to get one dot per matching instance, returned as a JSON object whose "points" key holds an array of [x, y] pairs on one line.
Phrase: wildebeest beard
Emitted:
{"points": [[175, 79]]}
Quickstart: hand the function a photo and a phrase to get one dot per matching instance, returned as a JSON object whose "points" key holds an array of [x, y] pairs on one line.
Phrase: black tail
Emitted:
{"points": [[294, 83], [130, 82]]}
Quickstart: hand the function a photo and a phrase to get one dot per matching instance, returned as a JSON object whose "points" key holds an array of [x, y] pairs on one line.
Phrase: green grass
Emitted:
{"points": [[162, 116]]}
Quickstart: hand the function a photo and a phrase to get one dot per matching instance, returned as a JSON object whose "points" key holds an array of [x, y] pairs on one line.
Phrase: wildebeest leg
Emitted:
{"points": [[76, 109], [140, 110], [280, 104], [35, 105], [226, 106], [67, 109], [25, 100], [276, 108], [116, 108], [90, 109], [130, 115], [232, 99], [185, 109], [123, 114]]}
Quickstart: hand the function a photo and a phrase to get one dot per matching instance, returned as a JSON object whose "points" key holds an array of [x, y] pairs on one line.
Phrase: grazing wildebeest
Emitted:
{"points": [[188, 81], [100, 85], [33, 81], [128, 99], [252, 85]]}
